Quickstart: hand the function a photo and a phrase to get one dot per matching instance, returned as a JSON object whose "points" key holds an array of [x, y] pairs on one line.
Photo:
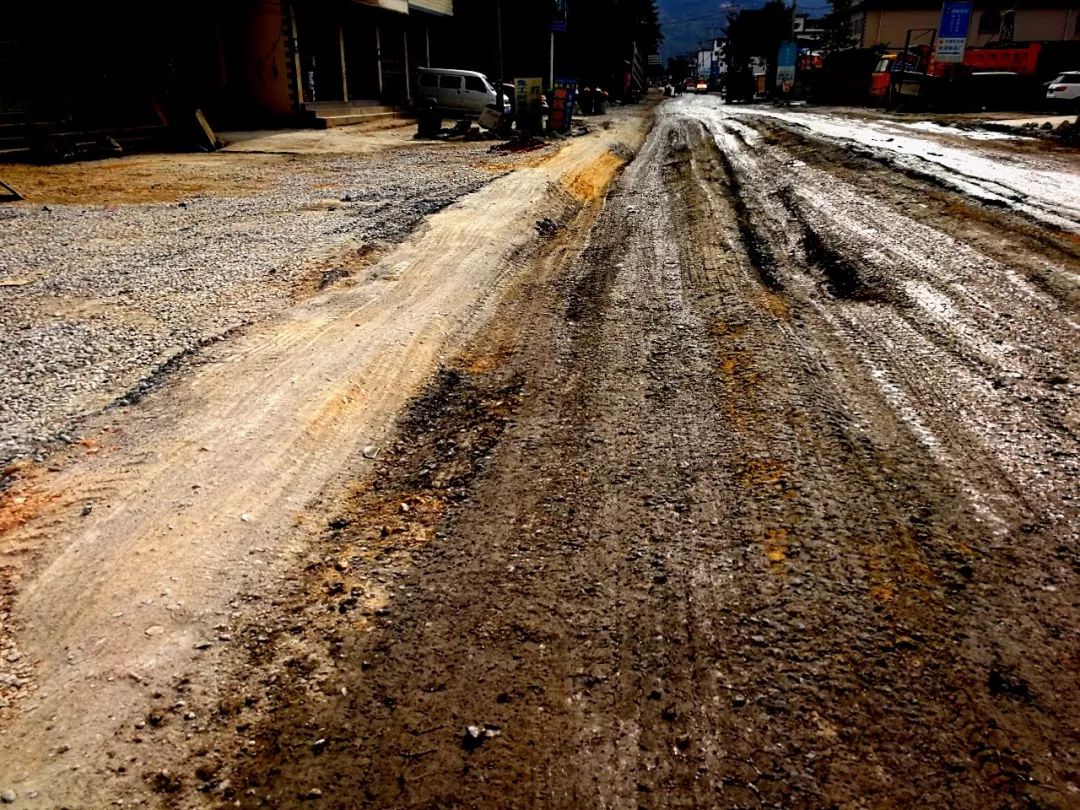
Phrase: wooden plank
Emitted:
{"points": [[210, 139], [11, 194]]}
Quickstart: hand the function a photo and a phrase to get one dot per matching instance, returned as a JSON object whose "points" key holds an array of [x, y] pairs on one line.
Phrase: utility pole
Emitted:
{"points": [[551, 72], [498, 56], [558, 24]]}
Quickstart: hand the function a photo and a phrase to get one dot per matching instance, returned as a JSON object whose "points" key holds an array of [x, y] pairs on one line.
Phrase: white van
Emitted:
{"points": [[455, 93]]}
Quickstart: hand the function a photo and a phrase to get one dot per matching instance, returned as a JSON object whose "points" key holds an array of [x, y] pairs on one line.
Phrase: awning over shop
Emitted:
{"points": [[443, 7], [401, 6]]}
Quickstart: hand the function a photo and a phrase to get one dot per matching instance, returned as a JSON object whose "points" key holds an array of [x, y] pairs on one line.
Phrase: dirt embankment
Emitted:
{"points": [[140, 567], [721, 510]]}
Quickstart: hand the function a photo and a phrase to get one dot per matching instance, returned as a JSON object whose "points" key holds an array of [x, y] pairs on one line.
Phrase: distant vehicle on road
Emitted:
{"points": [[701, 87], [1064, 91]]}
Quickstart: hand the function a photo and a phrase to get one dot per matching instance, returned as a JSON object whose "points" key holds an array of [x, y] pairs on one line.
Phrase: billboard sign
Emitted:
{"points": [[785, 64], [558, 21], [953, 30]]}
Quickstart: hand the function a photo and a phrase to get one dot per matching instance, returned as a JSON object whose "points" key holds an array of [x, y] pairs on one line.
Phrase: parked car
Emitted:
{"points": [[464, 95], [1064, 91], [456, 93], [701, 87]]}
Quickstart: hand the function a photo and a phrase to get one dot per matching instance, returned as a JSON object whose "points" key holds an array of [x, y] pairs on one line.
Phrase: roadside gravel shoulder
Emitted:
{"points": [[119, 271]]}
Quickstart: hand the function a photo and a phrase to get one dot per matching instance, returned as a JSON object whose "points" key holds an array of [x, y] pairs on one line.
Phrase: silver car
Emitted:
{"points": [[455, 93]]}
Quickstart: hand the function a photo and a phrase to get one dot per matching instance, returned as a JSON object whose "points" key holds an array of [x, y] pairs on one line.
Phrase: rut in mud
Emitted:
{"points": [[692, 526]]}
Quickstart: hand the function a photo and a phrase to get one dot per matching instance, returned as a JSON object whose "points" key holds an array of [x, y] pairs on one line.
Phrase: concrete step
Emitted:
{"points": [[316, 106], [333, 111], [381, 115]]}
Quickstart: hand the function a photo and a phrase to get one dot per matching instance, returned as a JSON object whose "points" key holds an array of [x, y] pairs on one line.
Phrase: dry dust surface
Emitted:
{"points": [[133, 559], [750, 484]]}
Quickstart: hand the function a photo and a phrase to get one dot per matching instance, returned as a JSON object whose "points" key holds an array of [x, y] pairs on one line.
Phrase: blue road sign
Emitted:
{"points": [[955, 19]]}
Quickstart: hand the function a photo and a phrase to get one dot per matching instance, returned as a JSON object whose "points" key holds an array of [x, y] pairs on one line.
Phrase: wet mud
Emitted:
{"points": [[758, 494]]}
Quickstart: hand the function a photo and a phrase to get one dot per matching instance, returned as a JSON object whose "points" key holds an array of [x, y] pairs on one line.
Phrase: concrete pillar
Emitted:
{"points": [[378, 56], [408, 75], [344, 65], [298, 70]]}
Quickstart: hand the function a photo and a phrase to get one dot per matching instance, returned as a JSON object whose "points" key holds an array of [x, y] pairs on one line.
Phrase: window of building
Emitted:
{"points": [[990, 21]]}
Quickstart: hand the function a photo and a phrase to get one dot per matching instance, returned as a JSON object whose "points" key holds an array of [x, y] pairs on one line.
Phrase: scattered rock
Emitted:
{"points": [[165, 782], [311, 795], [371, 451], [8, 796], [546, 226], [247, 517], [154, 630], [1006, 683], [475, 736]]}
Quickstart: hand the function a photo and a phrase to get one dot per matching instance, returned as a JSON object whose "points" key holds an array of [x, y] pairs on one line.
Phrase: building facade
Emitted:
{"points": [[888, 22], [243, 62]]}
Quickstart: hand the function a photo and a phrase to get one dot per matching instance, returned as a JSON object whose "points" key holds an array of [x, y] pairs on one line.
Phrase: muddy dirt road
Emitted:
{"points": [[127, 559], [764, 498], [754, 485]]}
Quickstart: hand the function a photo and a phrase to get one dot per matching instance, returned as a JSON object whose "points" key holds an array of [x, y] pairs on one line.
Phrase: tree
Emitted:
{"points": [[600, 37], [756, 32], [838, 33]]}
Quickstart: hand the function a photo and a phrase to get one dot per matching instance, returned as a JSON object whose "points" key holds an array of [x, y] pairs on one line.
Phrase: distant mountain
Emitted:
{"points": [[687, 23]]}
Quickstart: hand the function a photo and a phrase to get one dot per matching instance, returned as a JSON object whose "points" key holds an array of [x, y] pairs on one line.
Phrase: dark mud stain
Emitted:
{"points": [[589, 293], [444, 438], [1008, 684], [754, 241], [332, 277], [843, 278], [444, 441]]}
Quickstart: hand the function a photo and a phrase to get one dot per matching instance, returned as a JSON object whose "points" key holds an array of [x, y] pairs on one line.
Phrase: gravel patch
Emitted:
{"points": [[96, 299]]}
